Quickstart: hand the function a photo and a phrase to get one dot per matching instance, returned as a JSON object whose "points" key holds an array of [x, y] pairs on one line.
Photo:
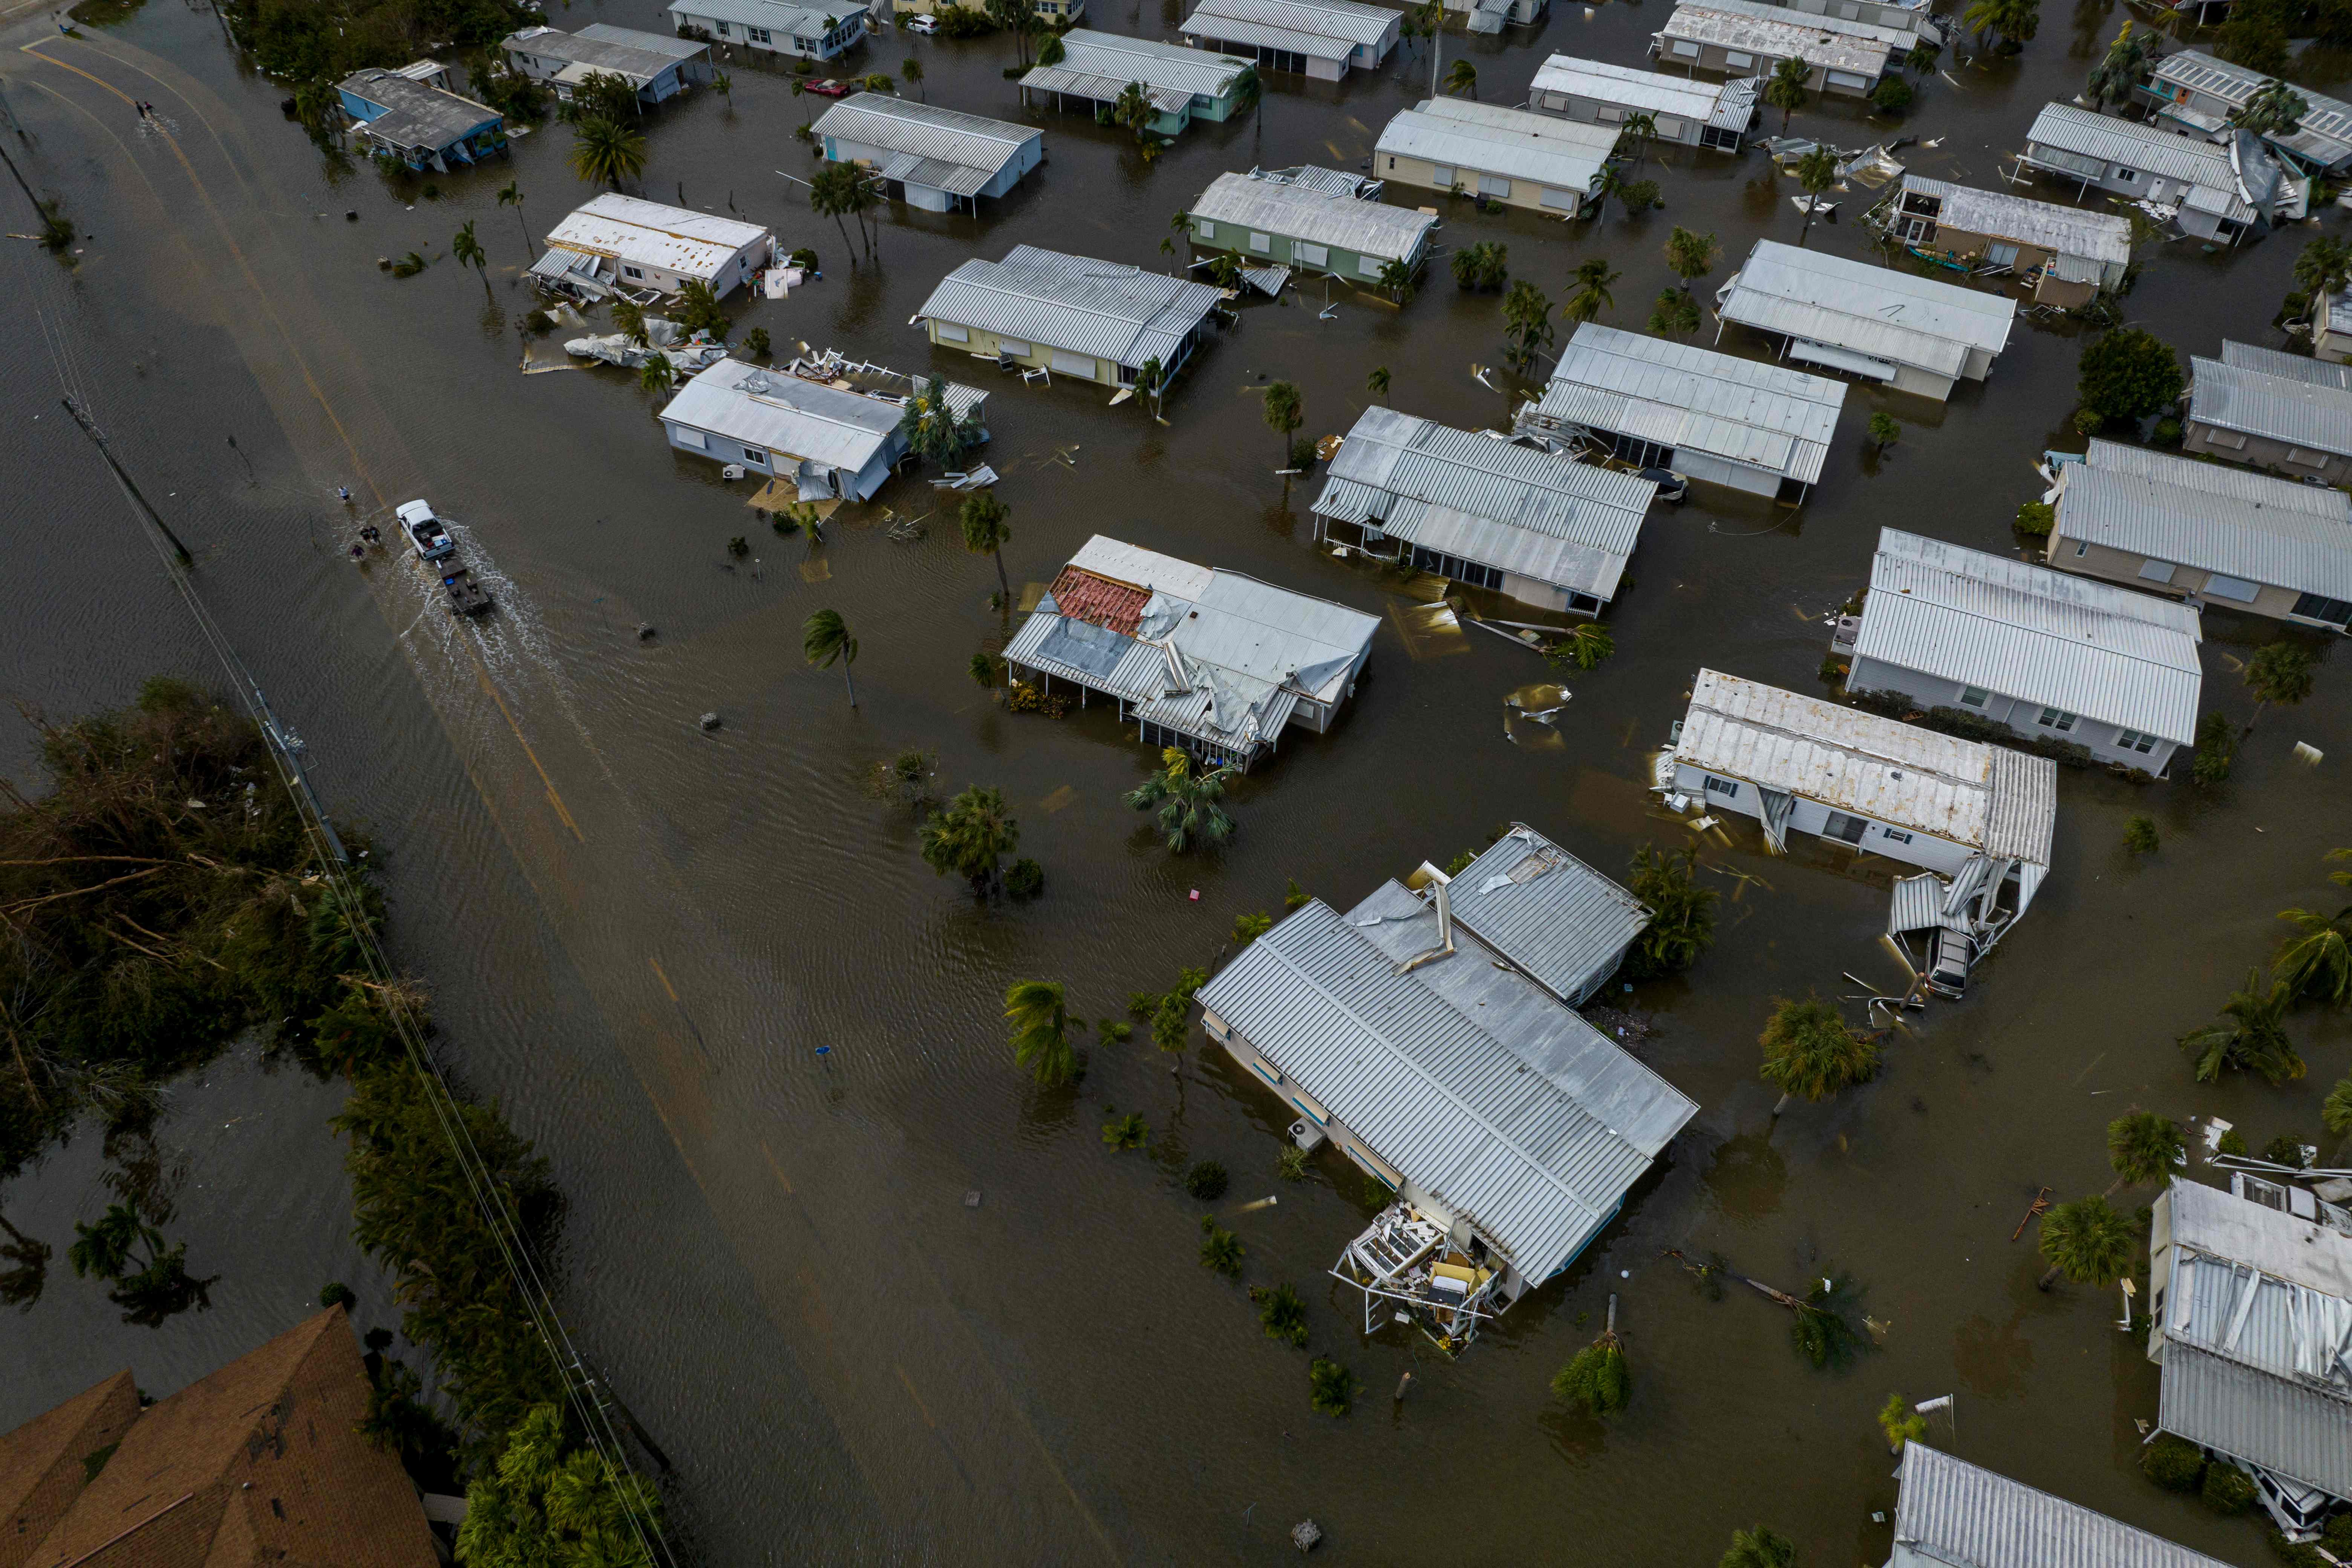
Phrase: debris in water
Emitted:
{"points": [[645, 631], [709, 721], [2307, 754], [971, 1198], [1305, 1535]]}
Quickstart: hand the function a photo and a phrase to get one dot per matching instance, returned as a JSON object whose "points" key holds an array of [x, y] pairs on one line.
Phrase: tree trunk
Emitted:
{"points": [[848, 682], [528, 248], [845, 244], [2049, 1278], [1002, 583], [1780, 1105]]}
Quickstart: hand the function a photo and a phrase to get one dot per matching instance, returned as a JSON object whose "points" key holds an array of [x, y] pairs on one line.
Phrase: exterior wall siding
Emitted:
{"points": [[1289, 1091], [990, 345], [2018, 715], [845, 37], [1925, 851], [1527, 195], [2124, 566], [2261, 451]]}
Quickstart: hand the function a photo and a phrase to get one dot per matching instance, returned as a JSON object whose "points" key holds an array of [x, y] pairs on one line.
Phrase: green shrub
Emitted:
{"points": [[1205, 1181], [1893, 97], [1024, 879], [2286, 1149], [1332, 1388], [2167, 432], [2140, 836], [1640, 195], [1281, 1313], [2233, 1143], [2174, 1465], [335, 1294], [2217, 747], [1221, 1250], [2035, 518], [1291, 1163], [2228, 1490]]}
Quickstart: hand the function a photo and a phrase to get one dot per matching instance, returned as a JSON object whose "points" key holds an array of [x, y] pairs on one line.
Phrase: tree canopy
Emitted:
{"points": [[2128, 372]]}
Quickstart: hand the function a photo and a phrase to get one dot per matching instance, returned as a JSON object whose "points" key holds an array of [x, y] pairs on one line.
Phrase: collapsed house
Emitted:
{"points": [[1913, 333], [2041, 652], [2250, 1291], [1428, 1035], [637, 249], [1949, 1513], [1475, 508], [2222, 192], [1654, 402], [1212, 661], [1978, 819], [810, 423], [2067, 255]]}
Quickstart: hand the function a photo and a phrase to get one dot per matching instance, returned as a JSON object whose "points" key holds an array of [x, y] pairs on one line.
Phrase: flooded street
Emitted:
{"points": [[638, 935]]}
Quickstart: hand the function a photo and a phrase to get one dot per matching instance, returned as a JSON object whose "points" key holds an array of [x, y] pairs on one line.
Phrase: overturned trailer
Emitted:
{"points": [[1429, 1035]]}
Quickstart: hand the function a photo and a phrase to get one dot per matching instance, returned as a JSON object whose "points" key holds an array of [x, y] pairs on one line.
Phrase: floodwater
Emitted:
{"points": [[639, 935]]}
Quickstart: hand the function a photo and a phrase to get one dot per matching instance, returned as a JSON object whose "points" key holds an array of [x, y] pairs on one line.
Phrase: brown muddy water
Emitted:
{"points": [[638, 934]]}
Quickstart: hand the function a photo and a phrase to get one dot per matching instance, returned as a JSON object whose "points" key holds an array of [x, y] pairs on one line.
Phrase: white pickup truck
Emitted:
{"points": [[425, 530]]}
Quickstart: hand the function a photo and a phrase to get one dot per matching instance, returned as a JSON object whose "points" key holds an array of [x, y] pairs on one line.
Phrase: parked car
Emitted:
{"points": [[830, 88], [922, 23], [425, 530]]}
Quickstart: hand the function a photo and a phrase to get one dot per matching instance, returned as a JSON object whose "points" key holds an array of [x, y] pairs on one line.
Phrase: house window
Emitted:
{"points": [[686, 437], [1737, 60], [722, 29], [949, 332], [1848, 79], [2304, 457], [2233, 439], [1204, 228], [2127, 176], [1723, 787], [2133, 740], [1684, 49], [1974, 697], [1370, 265], [2237, 590], [1013, 346], [1672, 129], [1261, 243], [2056, 719], [1494, 185], [1608, 115], [1896, 833], [1845, 828], [2318, 607], [759, 35], [2157, 571], [1307, 255], [2000, 253], [753, 455], [633, 272], [2082, 548], [1443, 175]]}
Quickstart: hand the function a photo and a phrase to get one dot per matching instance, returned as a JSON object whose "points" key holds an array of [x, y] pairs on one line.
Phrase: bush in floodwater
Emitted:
{"points": [[1901, 1423], [1281, 1314], [2228, 1490], [1823, 1330], [1291, 1163], [408, 266], [335, 1294], [1332, 1388], [1681, 921], [2035, 518], [1206, 1180], [2286, 1149], [2233, 1143], [1127, 1133], [1024, 879], [2167, 432], [2217, 747], [755, 343], [1596, 1377], [1220, 1249], [2140, 836], [1893, 97], [1640, 195], [2174, 1465]]}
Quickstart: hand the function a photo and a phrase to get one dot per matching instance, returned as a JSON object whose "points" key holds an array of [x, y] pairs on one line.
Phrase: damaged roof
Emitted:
{"points": [[1725, 105], [1297, 206], [1488, 139], [1779, 33], [650, 233], [1554, 917], [2003, 802], [1319, 29], [793, 416], [1074, 303], [2066, 231], [1893, 316]]}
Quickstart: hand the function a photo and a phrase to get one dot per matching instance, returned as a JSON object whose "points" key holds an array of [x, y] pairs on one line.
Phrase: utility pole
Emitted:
{"points": [[97, 438]]}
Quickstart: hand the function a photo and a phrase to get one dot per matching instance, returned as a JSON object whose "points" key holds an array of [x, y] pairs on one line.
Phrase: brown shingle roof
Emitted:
{"points": [[1083, 597], [260, 1462], [45, 1463]]}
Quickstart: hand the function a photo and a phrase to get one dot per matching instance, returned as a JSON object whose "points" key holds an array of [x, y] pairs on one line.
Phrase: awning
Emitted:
{"points": [[1840, 359]]}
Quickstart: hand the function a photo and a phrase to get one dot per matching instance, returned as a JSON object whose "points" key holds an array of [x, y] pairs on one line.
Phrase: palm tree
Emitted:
{"points": [[971, 838], [1151, 381], [1042, 1028], [1527, 321], [874, 81], [1759, 1548], [1690, 255], [1591, 297], [2088, 1242], [1248, 97], [1817, 172], [2323, 267], [724, 86], [912, 70], [2119, 72], [2253, 1039], [511, 196], [986, 527], [1285, 411], [2317, 963], [1597, 1377], [824, 638], [606, 149], [1188, 801], [1640, 128], [658, 375], [2142, 1148], [800, 90], [1787, 91], [2272, 110], [832, 195], [1377, 383], [2279, 672], [2014, 22], [2336, 1110], [629, 318], [470, 253], [1462, 78], [1809, 1052], [1132, 109]]}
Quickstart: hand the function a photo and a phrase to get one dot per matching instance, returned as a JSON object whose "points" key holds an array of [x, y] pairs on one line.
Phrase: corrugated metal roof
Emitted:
{"points": [[2323, 133], [2224, 479], [676, 48], [1301, 212], [790, 414], [1986, 798], [1969, 1517], [2295, 367], [1487, 139], [1100, 64], [1901, 38], [1554, 917], [776, 16], [1433, 1070], [622, 51], [1496, 502], [2192, 524], [1133, 564], [937, 136], [2284, 408], [648, 234], [1074, 303], [1774, 32], [2147, 148], [417, 114], [1727, 105], [1326, 29], [2026, 631], [2069, 231], [1763, 416], [1863, 308], [2286, 1427]]}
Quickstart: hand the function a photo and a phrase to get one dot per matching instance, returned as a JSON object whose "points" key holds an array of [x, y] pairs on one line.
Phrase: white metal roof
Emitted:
{"points": [[1727, 105], [2295, 367], [1321, 29], [1865, 308], [793, 414], [1555, 918], [622, 52], [1950, 1511], [1100, 65], [2026, 631], [1776, 33], [2301, 412], [1299, 211], [1678, 395], [1488, 139], [2003, 802], [1139, 568], [776, 16], [648, 234], [2068, 231], [1901, 38], [2088, 144], [1074, 303], [1475, 1086], [2237, 523], [1511, 507], [2323, 133], [964, 151]]}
